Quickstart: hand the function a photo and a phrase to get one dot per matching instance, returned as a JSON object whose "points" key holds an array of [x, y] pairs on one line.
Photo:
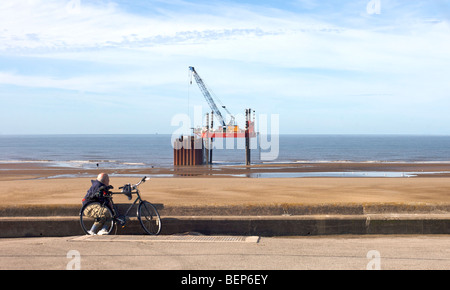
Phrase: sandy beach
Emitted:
{"points": [[34, 183]]}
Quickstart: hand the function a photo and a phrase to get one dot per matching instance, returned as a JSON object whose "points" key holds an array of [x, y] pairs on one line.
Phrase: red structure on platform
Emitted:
{"points": [[229, 132]]}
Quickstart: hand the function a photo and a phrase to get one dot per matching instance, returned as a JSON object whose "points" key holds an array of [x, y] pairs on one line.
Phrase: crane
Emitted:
{"points": [[210, 100]]}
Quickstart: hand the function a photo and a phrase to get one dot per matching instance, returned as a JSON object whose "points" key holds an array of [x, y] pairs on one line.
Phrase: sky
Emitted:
{"points": [[321, 67]]}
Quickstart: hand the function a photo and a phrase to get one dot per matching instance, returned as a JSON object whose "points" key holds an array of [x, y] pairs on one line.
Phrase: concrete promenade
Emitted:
{"points": [[194, 252], [276, 220]]}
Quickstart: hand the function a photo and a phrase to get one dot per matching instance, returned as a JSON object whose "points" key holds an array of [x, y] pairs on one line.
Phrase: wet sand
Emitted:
{"points": [[23, 171], [33, 183]]}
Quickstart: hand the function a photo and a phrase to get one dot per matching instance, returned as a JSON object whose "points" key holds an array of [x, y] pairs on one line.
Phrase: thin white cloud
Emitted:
{"points": [[48, 24], [235, 33], [243, 50]]}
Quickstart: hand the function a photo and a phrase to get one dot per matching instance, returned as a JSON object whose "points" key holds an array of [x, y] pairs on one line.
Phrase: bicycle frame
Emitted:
{"points": [[114, 207], [138, 198]]}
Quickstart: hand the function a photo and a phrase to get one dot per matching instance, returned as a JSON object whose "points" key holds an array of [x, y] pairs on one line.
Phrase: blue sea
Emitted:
{"points": [[135, 151]]}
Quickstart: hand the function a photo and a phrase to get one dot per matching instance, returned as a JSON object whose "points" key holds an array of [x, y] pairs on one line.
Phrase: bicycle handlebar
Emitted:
{"points": [[144, 179]]}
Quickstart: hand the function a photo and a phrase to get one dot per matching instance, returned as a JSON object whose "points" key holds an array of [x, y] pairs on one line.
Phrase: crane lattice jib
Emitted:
{"points": [[207, 96]]}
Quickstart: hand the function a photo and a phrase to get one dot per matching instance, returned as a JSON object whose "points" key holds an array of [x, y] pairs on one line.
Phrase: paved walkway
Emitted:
{"points": [[193, 253]]}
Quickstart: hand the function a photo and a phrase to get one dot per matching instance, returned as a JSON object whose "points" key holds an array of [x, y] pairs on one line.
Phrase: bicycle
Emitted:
{"points": [[104, 215]]}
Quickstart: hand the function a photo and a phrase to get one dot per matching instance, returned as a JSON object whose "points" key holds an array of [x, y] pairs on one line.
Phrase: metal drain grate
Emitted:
{"points": [[174, 238]]}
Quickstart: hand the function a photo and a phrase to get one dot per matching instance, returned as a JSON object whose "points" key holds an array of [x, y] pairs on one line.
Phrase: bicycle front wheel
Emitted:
{"points": [[149, 218], [95, 218]]}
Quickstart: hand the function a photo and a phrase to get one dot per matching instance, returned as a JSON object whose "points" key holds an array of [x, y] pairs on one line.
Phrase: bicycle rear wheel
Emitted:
{"points": [[95, 217], [149, 218]]}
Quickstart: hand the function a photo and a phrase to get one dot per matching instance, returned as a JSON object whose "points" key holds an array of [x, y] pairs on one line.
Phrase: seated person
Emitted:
{"points": [[96, 193]]}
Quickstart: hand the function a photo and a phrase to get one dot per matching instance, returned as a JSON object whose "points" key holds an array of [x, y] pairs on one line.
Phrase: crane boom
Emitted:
{"points": [[207, 96]]}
